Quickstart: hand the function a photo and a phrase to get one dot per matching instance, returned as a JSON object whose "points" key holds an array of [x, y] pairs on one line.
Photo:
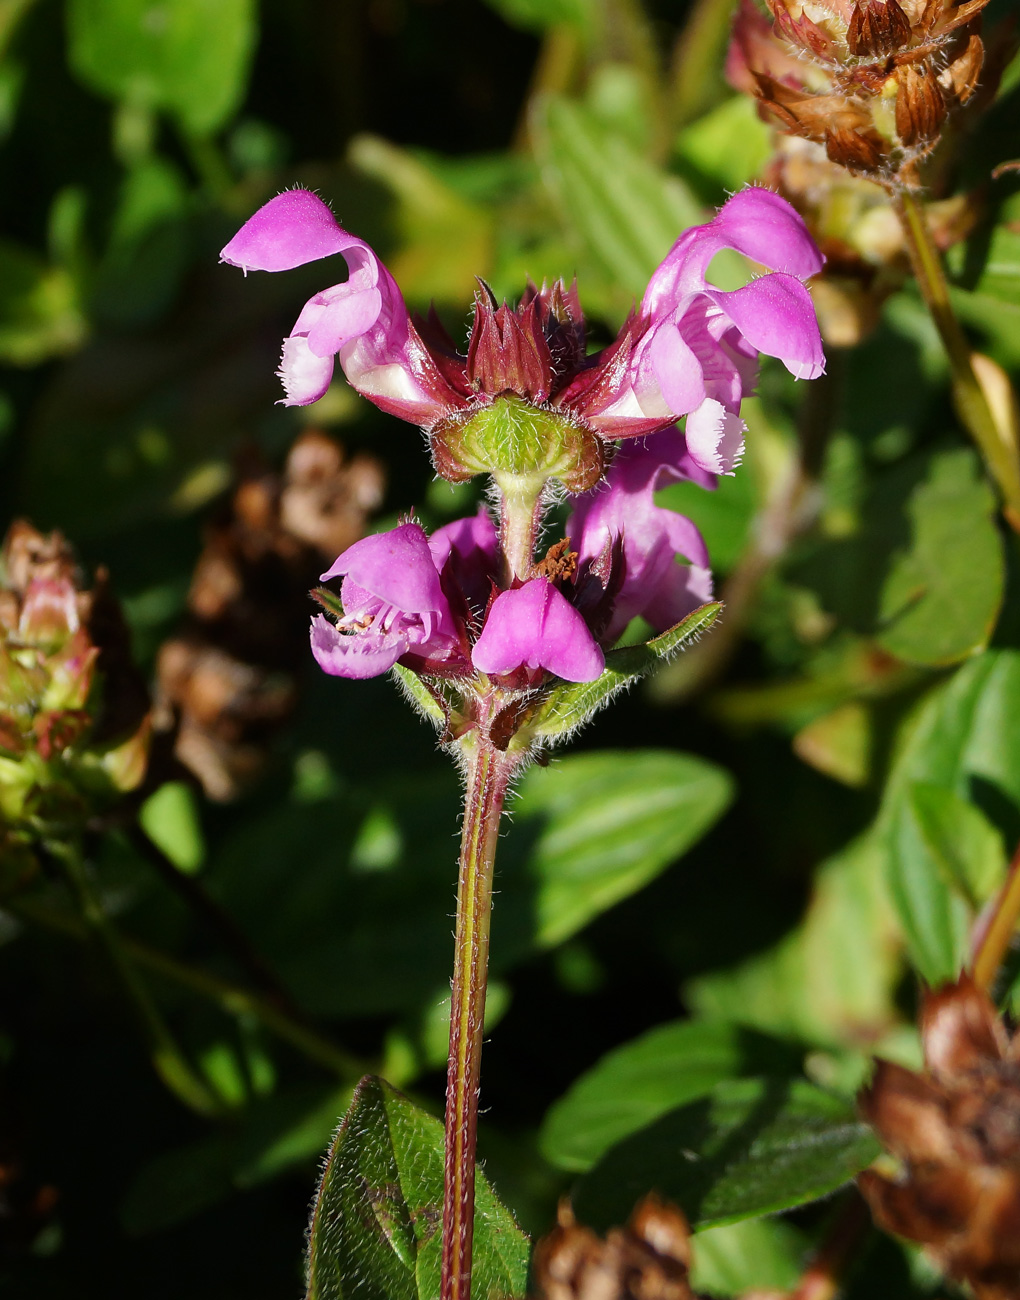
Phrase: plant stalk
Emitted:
{"points": [[993, 938], [233, 999], [969, 397], [487, 773], [168, 1058], [520, 517]]}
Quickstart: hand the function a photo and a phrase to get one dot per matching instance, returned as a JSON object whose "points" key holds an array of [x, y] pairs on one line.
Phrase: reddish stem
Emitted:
{"points": [[487, 775]]}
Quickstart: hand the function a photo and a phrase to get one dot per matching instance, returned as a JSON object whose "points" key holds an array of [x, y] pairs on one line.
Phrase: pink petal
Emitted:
{"points": [[361, 655], [715, 437], [536, 626], [677, 369], [294, 228], [344, 316], [396, 566], [304, 375], [775, 315], [768, 230]]}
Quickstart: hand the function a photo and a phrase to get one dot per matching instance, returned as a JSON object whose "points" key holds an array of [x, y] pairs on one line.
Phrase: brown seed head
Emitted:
{"points": [[956, 1130], [649, 1259]]}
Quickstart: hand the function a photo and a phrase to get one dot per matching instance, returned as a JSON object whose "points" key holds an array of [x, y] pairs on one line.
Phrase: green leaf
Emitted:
{"points": [[624, 210], [832, 981], [537, 15], [729, 145], [919, 566], [752, 1255], [752, 1147], [935, 918], [188, 57], [643, 1079], [376, 1222], [610, 824], [171, 819], [964, 741], [941, 597], [40, 315], [967, 848], [570, 706]]}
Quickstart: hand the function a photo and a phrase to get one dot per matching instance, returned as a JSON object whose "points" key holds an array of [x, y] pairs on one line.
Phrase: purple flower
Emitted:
{"points": [[364, 320], [393, 606], [465, 554], [653, 539], [534, 626], [692, 349]]}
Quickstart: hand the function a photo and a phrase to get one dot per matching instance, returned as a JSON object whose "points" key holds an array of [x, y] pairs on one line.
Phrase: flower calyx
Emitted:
{"points": [[522, 446]]}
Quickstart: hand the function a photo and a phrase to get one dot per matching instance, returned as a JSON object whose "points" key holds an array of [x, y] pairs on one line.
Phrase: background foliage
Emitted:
{"points": [[712, 911]]}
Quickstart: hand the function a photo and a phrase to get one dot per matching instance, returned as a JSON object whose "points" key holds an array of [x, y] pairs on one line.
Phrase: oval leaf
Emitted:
{"points": [[635, 1084], [752, 1147], [377, 1219]]}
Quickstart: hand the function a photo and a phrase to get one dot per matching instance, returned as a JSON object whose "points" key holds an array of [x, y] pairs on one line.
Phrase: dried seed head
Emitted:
{"points": [[647, 1260], [877, 27], [920, 105], [227, 679], [956, 1130], [874, 81]]}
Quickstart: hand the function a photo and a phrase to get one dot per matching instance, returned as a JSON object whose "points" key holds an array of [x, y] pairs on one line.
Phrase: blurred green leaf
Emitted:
{"points": [[965, 737], [148, 248], [945, 861], [624, 211], [537, 15], [964, 740], [39, 311], [446, 240], [752, 1255], [274, 1133], [645, 1078], [728, 145], [751, 1147], [188, 57], [921, 568], [610, 826], [376, 1222], [967, 847], [940, 598], [171, 820], [832, 981], [934, 916], [588, 831]]}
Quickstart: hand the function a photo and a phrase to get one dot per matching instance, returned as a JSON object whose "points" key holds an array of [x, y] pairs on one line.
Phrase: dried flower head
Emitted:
{"points": [[956, 1130], [873, 81], [227, 679], [649, 1259], [74, 724]]}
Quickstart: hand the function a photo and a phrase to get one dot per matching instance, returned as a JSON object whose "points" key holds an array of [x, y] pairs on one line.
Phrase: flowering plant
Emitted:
{"points": [[490, 638]]}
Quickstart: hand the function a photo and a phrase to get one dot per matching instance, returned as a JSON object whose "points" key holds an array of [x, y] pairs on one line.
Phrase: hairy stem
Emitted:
{"points": [[993, 937], [487, 774], [520, 517], [968, 396]]}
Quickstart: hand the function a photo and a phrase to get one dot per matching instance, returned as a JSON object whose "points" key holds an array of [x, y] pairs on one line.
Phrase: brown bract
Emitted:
{"points": [[873, 82], [956, 1130], [649, 1259]]}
